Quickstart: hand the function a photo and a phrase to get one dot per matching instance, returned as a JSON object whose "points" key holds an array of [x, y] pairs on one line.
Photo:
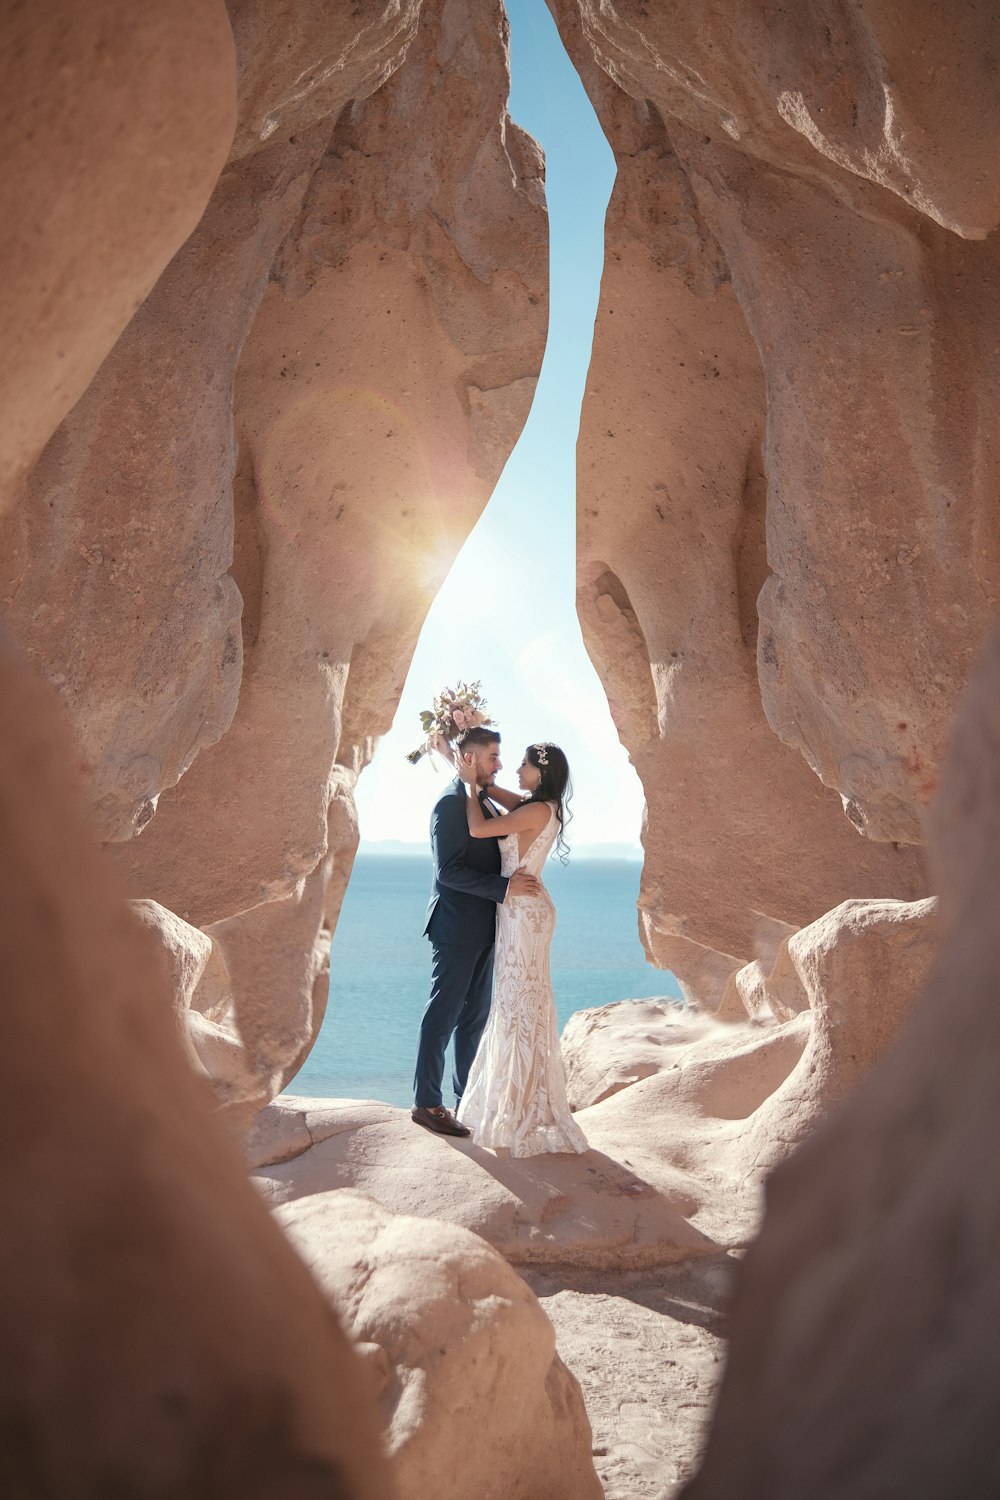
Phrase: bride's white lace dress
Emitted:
{"points": [[516, 1093]]}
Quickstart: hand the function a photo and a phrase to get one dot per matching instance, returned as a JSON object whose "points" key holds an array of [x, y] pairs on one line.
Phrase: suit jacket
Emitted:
{"points": [[467, 885]]}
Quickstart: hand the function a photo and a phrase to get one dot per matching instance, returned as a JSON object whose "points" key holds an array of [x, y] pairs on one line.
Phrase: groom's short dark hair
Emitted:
{"points": [[474, 739]]}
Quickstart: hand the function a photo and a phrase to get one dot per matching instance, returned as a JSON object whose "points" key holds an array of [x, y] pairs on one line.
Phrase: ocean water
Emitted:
{"points": [[380, 967]]}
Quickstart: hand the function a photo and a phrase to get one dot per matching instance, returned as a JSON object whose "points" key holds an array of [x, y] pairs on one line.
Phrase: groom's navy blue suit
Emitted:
{"points": [[461, 924]]}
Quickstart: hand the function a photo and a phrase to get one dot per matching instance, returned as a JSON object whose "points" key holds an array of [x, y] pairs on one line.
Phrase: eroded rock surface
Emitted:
{"points": [[93, 211], [474, 1398], [863, 1319], [832, 219], [590, 1210], [882, 79], [743, 843], [377, 270], [130, 1226], [130, 607], [832, 159]]}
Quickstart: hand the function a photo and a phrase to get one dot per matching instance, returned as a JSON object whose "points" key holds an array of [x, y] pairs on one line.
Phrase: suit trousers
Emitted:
{"points": [[461, 992]]}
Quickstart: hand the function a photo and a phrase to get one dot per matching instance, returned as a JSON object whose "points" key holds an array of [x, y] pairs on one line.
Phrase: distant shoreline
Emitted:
{"points": [[381, 848]]}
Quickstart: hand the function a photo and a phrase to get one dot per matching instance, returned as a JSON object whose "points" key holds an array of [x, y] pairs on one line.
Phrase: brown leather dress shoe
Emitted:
{"points": [[435, 1117]]}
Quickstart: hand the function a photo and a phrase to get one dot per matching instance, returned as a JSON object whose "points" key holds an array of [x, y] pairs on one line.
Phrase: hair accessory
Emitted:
{"points": [[542, 751]]}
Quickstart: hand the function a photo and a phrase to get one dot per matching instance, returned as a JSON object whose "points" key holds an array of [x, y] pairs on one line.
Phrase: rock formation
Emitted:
{"points": [[743, 844], [862, 1329], [609, 1048], [796, 348], [592, 1211], [230, 649], [474, 1398], [684, 1113], [780, 490], [93, 212], [273, 304], [165, 1339], [866, 316]]}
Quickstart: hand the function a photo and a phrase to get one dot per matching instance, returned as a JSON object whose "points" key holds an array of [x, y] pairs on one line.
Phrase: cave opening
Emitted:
{"points": [[523, 642]]}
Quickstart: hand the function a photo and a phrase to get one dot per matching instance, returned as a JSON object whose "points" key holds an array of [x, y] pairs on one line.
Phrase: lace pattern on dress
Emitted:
{"points": [[516, 1093]]}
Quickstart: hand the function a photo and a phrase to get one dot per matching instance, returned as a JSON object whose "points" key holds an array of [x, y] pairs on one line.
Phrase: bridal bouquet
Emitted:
{"points": [[455, 710]]}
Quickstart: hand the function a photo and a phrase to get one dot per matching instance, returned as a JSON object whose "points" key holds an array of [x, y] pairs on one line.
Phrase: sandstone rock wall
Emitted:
{"points": [[163, 1338], [841, 238], [795, 215], [822, 171], [743, 843], [862, 1328], [228, 607], [94, 212], [116, 577]]}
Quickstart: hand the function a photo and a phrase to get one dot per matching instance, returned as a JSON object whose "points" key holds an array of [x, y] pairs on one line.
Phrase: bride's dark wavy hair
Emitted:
{"points": [[555, 786]]}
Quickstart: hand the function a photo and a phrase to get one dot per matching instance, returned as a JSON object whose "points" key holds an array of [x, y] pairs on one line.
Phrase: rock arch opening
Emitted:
{"points": [[310, 265]]}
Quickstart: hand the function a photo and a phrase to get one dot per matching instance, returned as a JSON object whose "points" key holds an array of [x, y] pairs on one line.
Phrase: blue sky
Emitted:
{"points": [[536, 675]]}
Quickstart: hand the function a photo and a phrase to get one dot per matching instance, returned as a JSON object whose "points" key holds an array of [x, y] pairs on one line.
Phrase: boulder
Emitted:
{"points": [[862, 968], [606, 1048], [475, 1400], [725, 1102], [686, 1123]]}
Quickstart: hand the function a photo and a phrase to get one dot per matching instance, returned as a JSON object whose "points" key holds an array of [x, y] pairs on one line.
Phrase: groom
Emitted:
{"points": [[461, 924]]}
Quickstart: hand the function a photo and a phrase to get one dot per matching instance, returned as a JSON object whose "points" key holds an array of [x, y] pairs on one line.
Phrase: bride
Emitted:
{"points": [[516, 1093]]}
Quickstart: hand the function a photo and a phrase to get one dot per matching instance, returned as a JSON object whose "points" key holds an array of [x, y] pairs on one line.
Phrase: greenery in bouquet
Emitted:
{"points": [[455, 710]]}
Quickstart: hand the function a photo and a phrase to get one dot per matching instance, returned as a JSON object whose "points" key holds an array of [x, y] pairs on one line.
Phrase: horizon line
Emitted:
{"points": [[422, 845]]}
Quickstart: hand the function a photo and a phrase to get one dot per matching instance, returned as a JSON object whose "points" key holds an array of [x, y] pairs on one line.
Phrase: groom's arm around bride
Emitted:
{"points": [[461, 925]]}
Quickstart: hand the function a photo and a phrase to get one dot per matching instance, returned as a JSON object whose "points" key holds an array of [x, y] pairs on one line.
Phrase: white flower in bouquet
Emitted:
{"points": [[455, 710]]}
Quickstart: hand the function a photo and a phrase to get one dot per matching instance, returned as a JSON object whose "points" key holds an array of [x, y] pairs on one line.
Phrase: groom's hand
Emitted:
{"points": [[523, 884]]}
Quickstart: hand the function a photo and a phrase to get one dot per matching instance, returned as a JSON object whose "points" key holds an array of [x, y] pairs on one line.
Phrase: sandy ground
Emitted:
{"points": [[647, 1347]]}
